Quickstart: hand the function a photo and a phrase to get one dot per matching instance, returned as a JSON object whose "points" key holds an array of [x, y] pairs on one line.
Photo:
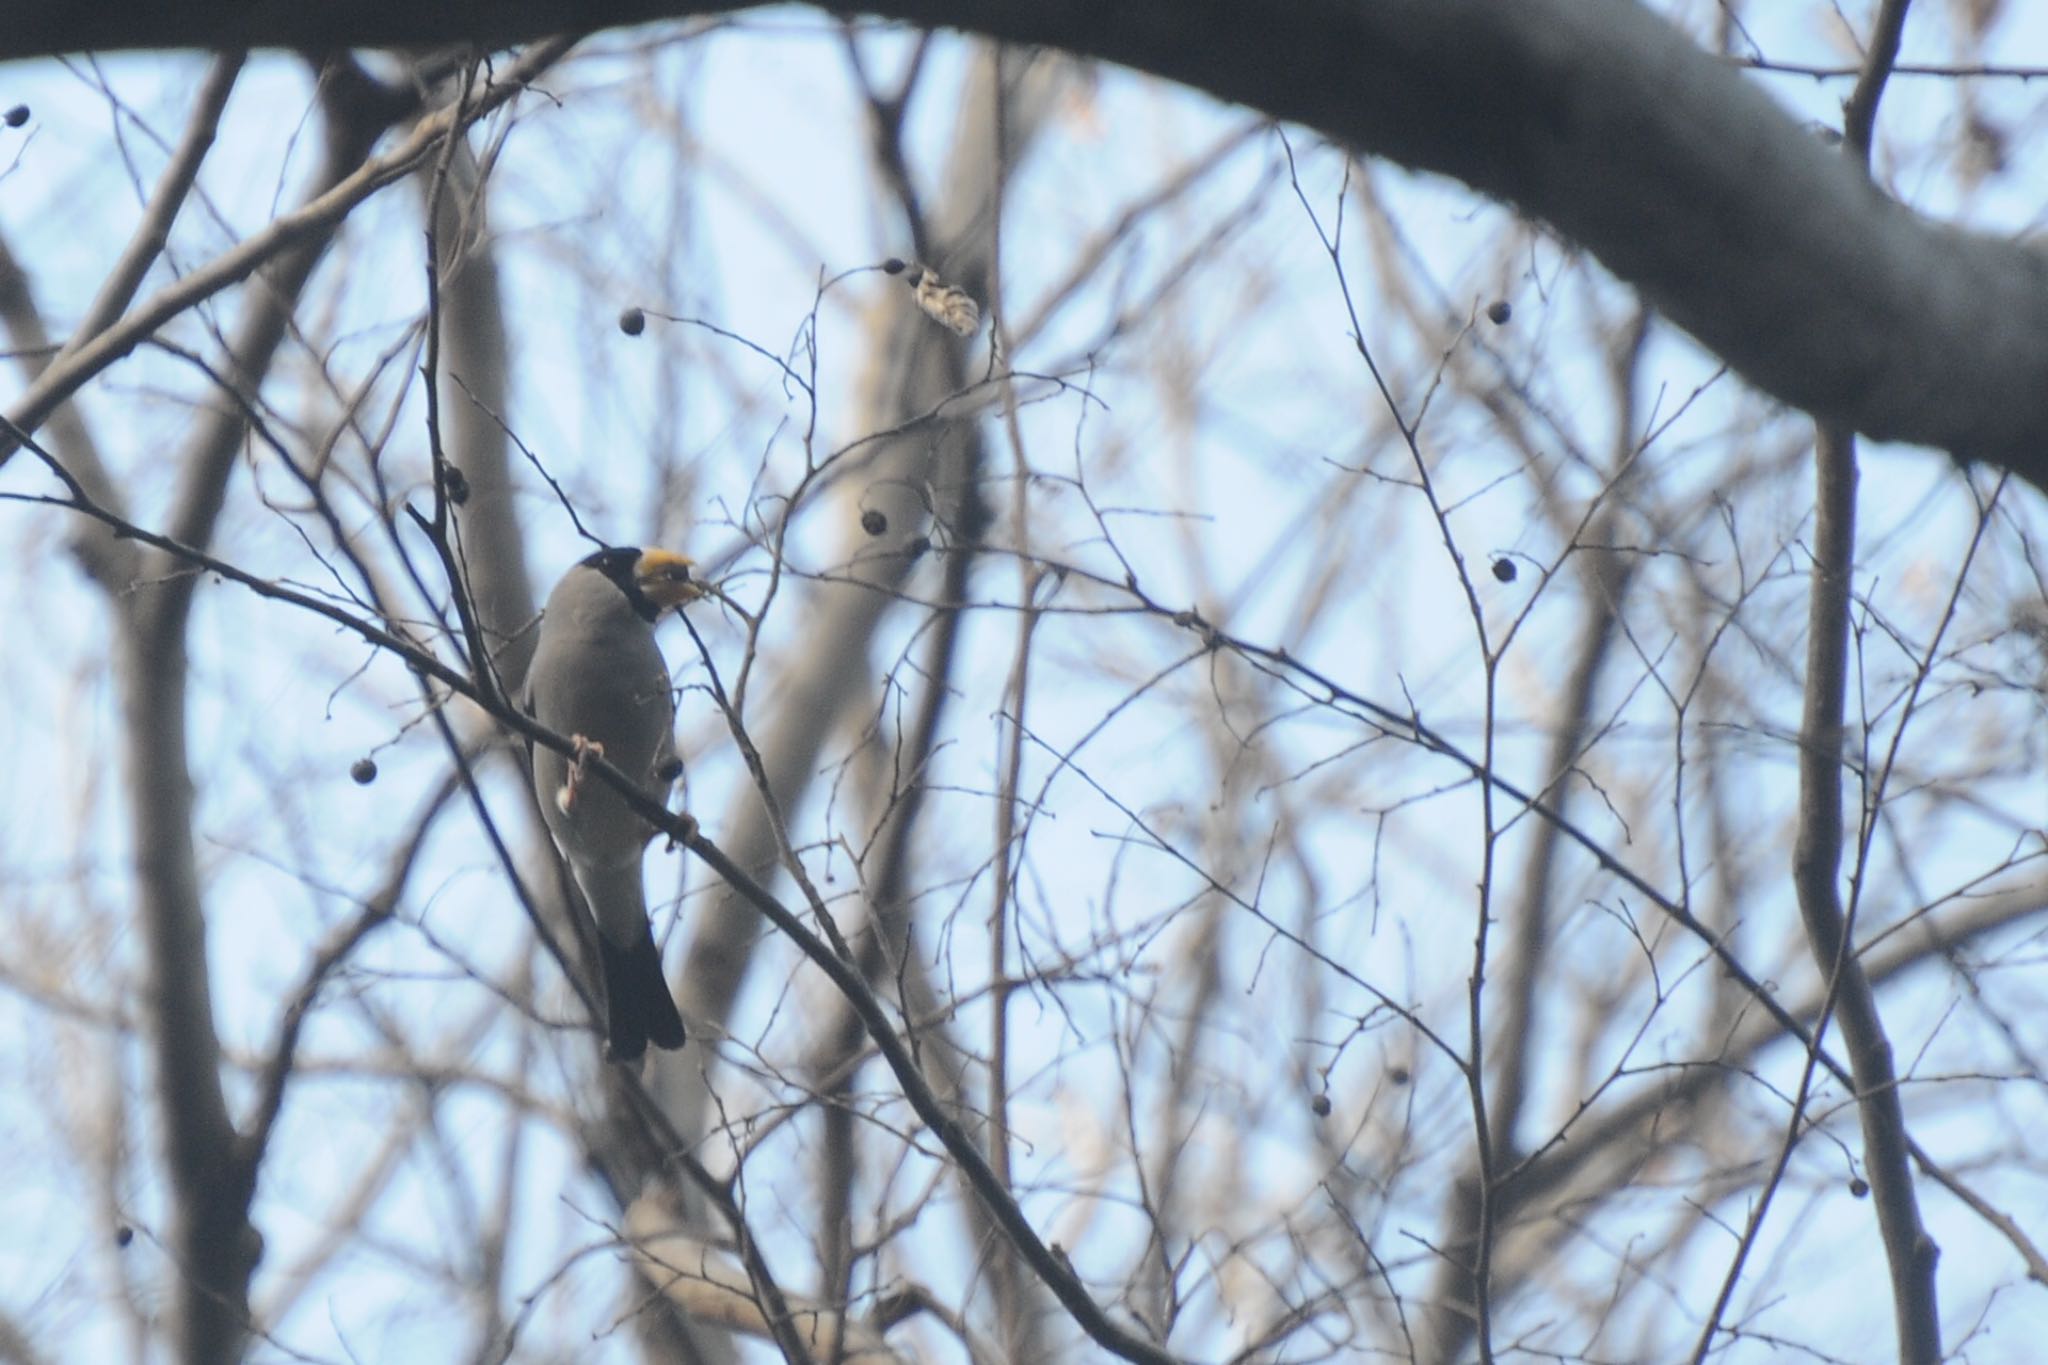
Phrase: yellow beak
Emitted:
{"points": [[667, 578]]}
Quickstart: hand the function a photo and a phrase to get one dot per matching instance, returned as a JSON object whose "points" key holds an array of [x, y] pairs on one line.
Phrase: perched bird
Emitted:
{"points": [[598, 677]]}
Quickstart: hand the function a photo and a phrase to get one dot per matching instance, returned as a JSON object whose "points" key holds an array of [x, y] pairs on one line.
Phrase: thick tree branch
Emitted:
{"points": [[1594, 115], [1817, 850], [211, 1170]]}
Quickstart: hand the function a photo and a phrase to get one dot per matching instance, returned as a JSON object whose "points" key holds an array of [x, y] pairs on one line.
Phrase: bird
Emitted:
{"points": [[599, 678]]}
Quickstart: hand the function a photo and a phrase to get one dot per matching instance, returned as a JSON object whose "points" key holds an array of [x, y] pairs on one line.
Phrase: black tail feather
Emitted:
{"points": [[638, 1007]]}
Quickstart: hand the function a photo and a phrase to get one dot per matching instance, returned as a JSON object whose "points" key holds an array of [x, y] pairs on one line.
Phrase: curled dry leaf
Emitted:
{"points": [[947, 303]]}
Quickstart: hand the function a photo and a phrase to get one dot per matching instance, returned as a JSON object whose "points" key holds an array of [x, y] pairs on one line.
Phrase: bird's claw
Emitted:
{"points": [[579, 765]]}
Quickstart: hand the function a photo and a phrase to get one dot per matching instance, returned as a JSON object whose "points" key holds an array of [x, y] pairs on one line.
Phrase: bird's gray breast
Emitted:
{"points": [[602, 677]]}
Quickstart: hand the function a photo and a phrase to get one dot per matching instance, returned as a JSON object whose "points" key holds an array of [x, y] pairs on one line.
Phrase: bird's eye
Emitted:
{"points": [[670, 575]]}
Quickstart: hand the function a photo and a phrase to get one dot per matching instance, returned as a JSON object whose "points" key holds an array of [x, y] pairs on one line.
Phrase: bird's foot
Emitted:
{"points": [[686, 828], [579, 766]]}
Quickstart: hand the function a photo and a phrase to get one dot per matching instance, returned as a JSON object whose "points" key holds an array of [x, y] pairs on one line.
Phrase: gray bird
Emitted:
{"points": [[598, 677]]}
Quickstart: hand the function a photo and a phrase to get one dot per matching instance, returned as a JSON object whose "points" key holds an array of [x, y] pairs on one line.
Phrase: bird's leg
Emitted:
{"points": [[565, 799]]}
